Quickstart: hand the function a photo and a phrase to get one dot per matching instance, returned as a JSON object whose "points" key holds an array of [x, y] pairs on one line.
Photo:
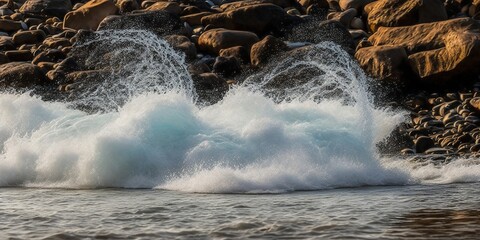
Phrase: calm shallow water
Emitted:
{"points": [[421, 212]]}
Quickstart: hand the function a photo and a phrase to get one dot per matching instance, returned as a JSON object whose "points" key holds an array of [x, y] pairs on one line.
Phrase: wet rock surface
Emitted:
{"points": [[444, 124]]}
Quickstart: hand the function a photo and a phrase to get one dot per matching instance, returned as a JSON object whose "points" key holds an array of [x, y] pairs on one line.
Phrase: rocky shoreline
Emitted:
{"points": [[427, 52]]}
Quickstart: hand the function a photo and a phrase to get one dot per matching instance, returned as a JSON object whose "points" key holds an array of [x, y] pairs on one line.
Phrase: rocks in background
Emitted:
{"points": [[393, 13], [196, 18], [460, 56], [239, 52], [198, 67], [86, 77], [57, 8], [446, 124], [423, 144], [356, 4], [159, 22], [421, 37], [10, 25], [345, 17], [217, 39], [19, 55], [28, 37], [3, 58], [20, 75], [227, 66], [259, 18], [232, 5], [210, 87], [475, 104], [384, 62], [318, 3], [182, 44], [126, 6], [50, 55], [437, 52], [474, 9], [264, 50], [170, 7], [89, 15], [193, 28], [6, 43], [314, 31]]}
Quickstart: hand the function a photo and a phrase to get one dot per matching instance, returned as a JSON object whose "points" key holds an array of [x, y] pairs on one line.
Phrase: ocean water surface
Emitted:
{"points": [[397, 212]]}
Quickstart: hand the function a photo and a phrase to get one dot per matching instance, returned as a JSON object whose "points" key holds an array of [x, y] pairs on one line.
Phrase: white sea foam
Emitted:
{"points": [[248, 142], [245, 143]]}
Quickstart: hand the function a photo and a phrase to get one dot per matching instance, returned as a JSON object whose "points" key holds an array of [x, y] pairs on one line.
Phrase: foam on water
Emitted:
{"points": [[251, 141]]}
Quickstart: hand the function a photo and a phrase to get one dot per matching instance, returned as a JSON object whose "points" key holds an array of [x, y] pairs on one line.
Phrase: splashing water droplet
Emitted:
{"points": [[136, 62]]}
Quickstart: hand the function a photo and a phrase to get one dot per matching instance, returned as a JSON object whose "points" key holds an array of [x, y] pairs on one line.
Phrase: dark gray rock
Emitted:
{"points": [[159, 22], [19, 75], [313, 31], [423, 143], [57, 8]]}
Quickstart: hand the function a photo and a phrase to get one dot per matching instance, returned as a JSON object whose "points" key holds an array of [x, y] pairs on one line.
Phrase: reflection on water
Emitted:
{"points": [[438, 223], [395, 212]]}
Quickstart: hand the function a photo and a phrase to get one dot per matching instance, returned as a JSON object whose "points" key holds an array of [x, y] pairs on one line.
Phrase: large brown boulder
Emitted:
{"points": [[383, 62], [171, 7], [11, 26], [28, 37], [56, 8], [195, 19], [262, 51], [19, 74], [393, 13], [437, 52], [461, 55], [421, 37], [258, 18], [183, 44], [216, 39], [89, 15]]}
